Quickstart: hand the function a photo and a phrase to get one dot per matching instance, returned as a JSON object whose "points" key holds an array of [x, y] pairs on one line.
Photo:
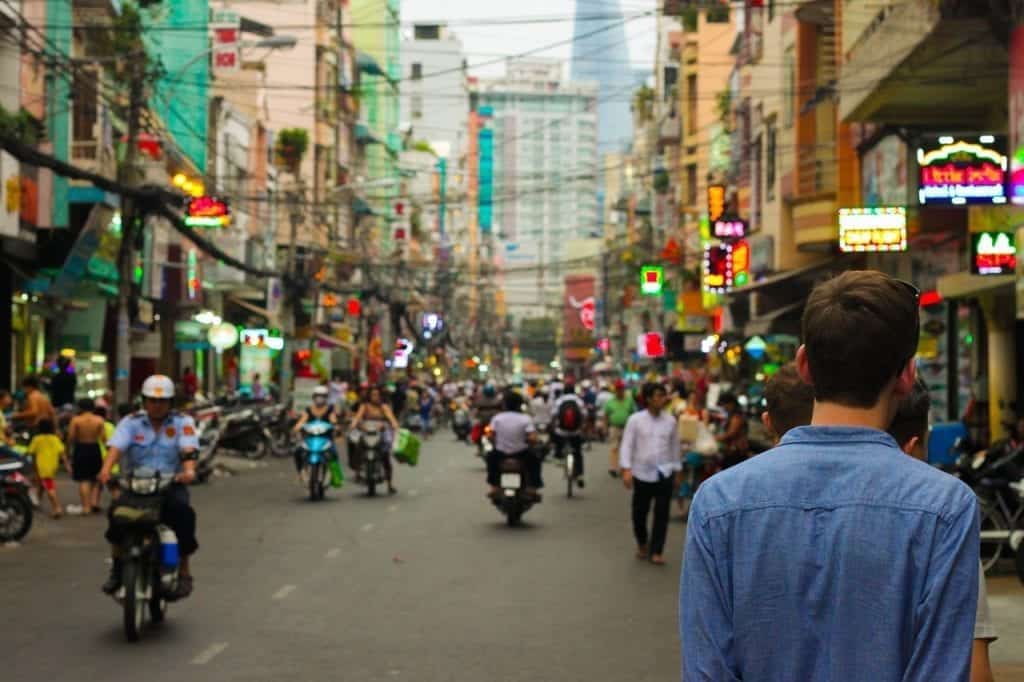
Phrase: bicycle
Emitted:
{"points": [[1002, 523]]}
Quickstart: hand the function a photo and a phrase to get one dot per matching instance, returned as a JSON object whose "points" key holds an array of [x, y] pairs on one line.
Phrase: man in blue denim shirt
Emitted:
{"points": [[835, 556]]}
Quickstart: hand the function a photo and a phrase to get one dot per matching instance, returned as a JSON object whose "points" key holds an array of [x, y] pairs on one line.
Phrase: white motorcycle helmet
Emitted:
{"points": [[159, 387], [587, 384], [320, 394]]}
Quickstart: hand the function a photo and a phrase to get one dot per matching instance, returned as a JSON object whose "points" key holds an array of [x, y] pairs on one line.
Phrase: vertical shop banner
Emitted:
{"points": [[579, 317], [1016, 116], [83, 249], [10, 195], [226, 27]]}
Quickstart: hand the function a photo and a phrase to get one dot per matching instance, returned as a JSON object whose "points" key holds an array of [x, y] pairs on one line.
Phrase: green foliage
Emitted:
{"points": [[643, 103], [661, 181], [22, 126], [291, 147], [723, 107]]}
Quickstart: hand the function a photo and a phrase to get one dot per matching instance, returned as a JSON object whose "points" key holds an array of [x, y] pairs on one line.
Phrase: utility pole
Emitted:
{"points": [[128, 175], [287, 304]]}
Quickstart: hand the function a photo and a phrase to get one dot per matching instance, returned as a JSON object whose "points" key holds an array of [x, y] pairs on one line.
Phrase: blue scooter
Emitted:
{"points": [[317, 452]]}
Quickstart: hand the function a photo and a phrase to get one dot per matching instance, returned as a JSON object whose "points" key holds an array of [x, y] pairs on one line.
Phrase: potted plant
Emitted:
{"points": [[290, 147]]}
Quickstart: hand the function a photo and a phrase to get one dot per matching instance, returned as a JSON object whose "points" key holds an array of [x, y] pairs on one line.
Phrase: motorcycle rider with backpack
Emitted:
{"points": [[569, 416]]}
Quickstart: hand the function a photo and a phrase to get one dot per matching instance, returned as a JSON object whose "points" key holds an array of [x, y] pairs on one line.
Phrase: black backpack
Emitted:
{"points": [[570, 416]]}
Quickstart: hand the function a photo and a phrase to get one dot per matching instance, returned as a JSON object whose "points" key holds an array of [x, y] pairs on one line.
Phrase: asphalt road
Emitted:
{"points": [[428, 585]]}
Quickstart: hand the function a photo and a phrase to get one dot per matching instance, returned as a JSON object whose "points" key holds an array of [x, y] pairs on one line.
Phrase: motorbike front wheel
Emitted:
{"points": [[371, 478], [134, 605], [258, 449], [316, 481], [15, 517]]}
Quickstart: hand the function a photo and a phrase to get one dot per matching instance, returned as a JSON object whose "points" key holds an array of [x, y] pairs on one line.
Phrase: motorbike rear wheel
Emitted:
{"points": [[157, 609], [514, 517], [570, 479], [371, 478], [134, 608], [16, 512]]}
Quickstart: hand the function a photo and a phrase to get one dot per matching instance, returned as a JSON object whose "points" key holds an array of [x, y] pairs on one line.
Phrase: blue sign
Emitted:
{"points": [[485, 195]]}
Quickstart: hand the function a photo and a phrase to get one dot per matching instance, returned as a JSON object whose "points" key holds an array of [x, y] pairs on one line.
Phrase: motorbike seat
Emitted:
{"points": [[511, 465], [10, 464]]}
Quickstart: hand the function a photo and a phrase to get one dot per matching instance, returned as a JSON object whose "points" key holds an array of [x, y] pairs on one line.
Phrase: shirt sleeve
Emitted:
{"points": [[705, 628], [627, 445], [945, 615], [122, 438], [189, 439], [983, 627]]}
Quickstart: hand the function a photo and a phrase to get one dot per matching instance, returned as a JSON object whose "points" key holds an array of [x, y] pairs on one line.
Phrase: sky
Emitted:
{"points": [[484, 43]]}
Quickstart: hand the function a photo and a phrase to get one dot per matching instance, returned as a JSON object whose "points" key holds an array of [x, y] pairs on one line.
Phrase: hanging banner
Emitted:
{"points": [[85, 246], [579, 317]]}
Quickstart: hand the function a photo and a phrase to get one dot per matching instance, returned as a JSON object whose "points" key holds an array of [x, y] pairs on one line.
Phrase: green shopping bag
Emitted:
{"points": [[407, 447], [337, 473]]}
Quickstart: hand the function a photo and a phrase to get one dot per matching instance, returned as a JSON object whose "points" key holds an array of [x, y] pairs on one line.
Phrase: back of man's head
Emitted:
{"points": [[860, 330], [790, 401], [910, 425]]}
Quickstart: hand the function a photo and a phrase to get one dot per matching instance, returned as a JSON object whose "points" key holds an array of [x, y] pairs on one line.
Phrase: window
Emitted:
{"points": [[789, 91], [416, 106], [417, 71], [427, 32], [769, 172], [691, 184], [691, 104], [671, 76], [85, 112], [755, 182]]}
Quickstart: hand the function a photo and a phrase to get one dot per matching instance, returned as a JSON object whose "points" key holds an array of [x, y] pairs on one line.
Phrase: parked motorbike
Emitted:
{"points": [[15, 504], [461, 425], [373, 450], [317, 442], [280, 421], [243, 431], [513, 500], [149, 551]]}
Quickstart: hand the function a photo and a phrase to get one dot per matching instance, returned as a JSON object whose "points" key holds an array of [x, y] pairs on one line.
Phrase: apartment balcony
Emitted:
{"points": [[923, 62], [95, 157]]}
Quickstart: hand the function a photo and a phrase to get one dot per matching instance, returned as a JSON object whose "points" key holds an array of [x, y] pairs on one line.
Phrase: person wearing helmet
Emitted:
{"points": [[488, 404], [570, 434], [164, 440], [320, 409]]}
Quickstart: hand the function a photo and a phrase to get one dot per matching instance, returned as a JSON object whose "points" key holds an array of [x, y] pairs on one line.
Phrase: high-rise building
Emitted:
{"points": [[600, 53], [545, 177]]}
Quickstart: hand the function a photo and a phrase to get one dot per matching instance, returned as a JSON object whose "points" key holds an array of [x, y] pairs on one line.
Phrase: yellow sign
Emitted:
{"points": [[13, 200]]}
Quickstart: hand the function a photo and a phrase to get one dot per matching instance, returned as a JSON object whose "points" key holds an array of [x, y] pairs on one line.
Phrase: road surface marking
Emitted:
{"points": [[209, 653], [367, 528], [284, 592], [333, 554], [393, 507]]}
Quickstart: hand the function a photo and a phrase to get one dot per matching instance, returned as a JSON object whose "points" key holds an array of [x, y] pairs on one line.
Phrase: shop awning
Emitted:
{"points": [[774, 322], [781, 277], [967, 285], [252, 308]]}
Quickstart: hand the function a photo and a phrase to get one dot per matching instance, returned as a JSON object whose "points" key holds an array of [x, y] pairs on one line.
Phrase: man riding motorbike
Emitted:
{"points": [[320, 409], [513, 435], [165, 441]]}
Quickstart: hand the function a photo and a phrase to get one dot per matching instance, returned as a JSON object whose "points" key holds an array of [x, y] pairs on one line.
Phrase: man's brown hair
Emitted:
{"points": [[789, 399], [860, 329]]}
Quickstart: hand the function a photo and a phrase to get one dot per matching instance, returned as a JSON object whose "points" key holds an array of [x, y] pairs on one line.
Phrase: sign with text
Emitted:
{"points": [[207, 212], [226, 26], [726, 266], [652, 280], [872, 229], [730, 227], [716, 202], [993, 253], [962, 170]]}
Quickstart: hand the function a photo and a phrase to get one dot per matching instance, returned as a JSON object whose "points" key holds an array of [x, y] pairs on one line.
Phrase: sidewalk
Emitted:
{"points": [[1006, 599]]}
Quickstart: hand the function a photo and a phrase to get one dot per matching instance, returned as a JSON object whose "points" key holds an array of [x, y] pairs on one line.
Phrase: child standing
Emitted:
{"points": [[47, 450]]}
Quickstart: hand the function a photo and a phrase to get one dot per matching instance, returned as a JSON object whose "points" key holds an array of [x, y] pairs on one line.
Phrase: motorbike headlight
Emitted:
{"points": [[372, 439], [144, 486]]}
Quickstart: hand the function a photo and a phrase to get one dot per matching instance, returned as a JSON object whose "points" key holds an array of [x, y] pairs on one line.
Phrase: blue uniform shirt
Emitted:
{"points": [[140, 446], [834, 557]]}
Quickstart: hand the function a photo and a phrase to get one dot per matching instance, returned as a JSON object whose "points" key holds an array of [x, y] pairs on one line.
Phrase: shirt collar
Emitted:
{"points": [[809, 435]]}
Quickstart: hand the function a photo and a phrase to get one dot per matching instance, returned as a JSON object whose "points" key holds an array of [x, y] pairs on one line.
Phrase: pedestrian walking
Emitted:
{"points": [[85, 433], [863, 561], [47, 451], [649, 458], [617, 411], [36, 406], [735, 445]]}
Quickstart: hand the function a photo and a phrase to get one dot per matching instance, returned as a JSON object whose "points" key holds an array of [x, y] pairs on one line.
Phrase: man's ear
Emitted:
{"points": [[803, 366], [906, 378], [766, 419], [911, 445]]}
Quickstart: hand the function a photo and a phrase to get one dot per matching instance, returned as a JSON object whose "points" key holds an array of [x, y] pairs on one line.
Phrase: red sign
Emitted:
{"points": [[650, 345], [207, 212], [962, 170], [579, 317]]}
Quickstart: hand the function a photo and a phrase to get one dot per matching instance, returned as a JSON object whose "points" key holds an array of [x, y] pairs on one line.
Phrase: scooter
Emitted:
{"points": [[244, 432], [369, 438], [461, 425], [513, 500], [15, 503], [149, 551], [316, 452]]}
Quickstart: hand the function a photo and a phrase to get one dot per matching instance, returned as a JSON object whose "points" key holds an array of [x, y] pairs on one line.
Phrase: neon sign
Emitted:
{"points": [[650, 345], [993, 253], [261, 338], [193, 285], [872, 229], [588, 317], [207, 212], [652, 279], [716, 202], [730, 228], [726, 265], [962, 171]]}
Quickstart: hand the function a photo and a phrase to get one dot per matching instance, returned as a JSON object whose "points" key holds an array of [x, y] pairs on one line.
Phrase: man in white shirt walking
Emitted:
{"points": [[649, 458]]}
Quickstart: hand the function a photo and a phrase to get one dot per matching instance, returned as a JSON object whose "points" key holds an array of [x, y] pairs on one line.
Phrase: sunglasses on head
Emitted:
{"points": [[911, 289]]}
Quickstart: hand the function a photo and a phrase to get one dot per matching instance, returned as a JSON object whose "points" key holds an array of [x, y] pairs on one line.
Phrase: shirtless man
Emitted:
{"points": [[85, 433]]}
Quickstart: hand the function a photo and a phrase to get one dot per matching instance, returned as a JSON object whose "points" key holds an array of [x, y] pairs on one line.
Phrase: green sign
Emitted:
{"points": [[652, 279]]}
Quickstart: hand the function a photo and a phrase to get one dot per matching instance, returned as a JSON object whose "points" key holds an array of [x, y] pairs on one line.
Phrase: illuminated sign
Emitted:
{"points": [[650, 345], [222, 336], [872, 229], [403, 349], [432, 322], [207, 212], [962, 170], [727, 227], [993, 253], [588, 317], [652, 279], [193, 285], [261, 338], [716, 202], [726, 265]]}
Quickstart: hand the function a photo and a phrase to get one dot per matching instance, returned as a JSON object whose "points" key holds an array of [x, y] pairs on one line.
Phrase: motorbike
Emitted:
{"points": [[243, 431], [316, 446], [149, 551], [369, 438], [543, 430], [279, 421], [513, 500], [461, 425], [15, 503]]}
